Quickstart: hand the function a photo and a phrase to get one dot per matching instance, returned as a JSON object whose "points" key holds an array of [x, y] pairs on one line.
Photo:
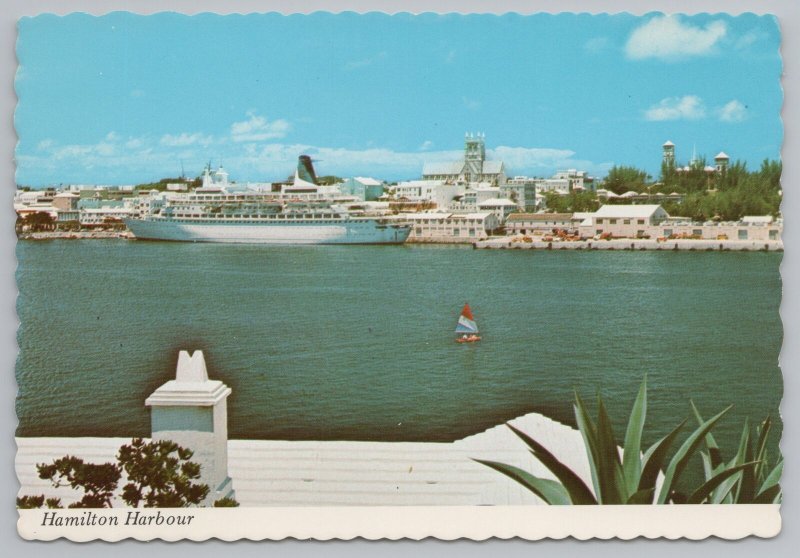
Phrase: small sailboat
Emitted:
{"points": [[467, 329]]}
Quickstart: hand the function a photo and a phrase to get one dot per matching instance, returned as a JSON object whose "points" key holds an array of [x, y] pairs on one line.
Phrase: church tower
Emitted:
{"points": [[474, 156]]}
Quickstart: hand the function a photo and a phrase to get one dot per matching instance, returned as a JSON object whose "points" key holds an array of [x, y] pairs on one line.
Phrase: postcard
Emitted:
{"points": [[398, 276]]}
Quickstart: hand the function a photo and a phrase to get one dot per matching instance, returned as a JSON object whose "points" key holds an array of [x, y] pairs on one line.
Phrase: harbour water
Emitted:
{"points": [[357, 343]]}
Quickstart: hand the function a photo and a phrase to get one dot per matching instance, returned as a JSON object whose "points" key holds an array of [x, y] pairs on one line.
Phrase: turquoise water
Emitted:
{"points": [[356, 342]]}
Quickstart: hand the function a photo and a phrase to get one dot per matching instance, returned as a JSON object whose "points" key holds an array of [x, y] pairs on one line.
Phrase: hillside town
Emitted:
{"points": [[465, 201]]}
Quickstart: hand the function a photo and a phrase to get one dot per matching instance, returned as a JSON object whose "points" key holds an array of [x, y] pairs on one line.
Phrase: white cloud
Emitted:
{"points": [[257, 128], [669, 38], [140, 159], [183, 139], [688, 107], [733, 111]]}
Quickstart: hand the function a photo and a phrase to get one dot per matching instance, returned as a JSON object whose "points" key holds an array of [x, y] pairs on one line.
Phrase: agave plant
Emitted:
{"points": [[752, 485], [636, 477]]}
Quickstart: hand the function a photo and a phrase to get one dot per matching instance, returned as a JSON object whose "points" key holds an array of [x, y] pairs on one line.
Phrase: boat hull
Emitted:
{"points": [[365, 231]]}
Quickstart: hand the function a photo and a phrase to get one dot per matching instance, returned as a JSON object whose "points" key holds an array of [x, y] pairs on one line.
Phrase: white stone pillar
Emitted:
{"points": [[192, 411]]}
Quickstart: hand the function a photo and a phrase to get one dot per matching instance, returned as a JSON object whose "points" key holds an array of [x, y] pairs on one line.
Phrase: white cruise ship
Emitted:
{"points": [[301, 213]]}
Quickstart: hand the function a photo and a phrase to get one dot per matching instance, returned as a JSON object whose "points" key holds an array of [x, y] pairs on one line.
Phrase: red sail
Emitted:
{"points": [[467, 313]]}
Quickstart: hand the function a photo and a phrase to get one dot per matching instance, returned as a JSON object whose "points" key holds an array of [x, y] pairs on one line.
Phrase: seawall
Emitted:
{"points": [[635, 244]]}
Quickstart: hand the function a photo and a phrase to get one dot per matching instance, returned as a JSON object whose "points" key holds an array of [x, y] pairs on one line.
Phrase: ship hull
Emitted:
{"points": [[349, 232]]}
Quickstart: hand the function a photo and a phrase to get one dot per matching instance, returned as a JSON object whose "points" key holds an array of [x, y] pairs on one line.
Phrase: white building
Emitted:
{"points": [[539, 223], [501, 207], [522, 190], [451, 227], [96, 216], [628, 221], [435, 191]]}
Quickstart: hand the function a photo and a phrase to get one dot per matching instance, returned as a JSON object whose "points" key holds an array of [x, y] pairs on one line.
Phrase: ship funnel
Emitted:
{"points": [[305, 170]]}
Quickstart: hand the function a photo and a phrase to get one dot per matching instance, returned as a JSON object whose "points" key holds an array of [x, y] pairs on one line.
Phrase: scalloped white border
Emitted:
{"points": [[731, 522], [446, 523]]}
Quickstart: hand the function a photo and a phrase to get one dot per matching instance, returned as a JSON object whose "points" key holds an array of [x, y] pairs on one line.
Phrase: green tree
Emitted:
{"points": [[98, 481], [623, 178], [160, 475], [572, 202]]}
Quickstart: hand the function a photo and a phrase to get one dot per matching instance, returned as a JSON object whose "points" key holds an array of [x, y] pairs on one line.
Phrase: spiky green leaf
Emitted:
{"points": [[589, 435], [631, 458], [705, 490], [578, 491], [550, 491], [655, 456], [761, 448], [681, 458], [612, 481], [714, 454]]}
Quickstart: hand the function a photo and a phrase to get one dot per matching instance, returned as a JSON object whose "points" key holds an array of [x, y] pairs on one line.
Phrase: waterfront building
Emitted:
{"points": [[627, 220], [451, 227], [501, 207], [651, 221], [539, 223], [104, 215], [473, 168]]}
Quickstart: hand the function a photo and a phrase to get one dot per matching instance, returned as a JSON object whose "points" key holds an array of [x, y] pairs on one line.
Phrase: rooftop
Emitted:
{"points": [[341, 473], [627, 210]]}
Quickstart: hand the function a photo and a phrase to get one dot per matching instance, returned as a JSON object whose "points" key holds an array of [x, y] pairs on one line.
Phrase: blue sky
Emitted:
{"points": [[124, 99]]}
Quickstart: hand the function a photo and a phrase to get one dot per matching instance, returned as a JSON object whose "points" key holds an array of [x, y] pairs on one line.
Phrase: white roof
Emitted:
{"points": [[627, 210], [721, 155], [66, 195], [478, 216], [629, 194], [366, 181], [340, 473], [668, 144], [442, 168]]}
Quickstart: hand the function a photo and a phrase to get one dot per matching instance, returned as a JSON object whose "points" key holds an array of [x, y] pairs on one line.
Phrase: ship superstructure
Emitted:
{"points": [[299, 213]]}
